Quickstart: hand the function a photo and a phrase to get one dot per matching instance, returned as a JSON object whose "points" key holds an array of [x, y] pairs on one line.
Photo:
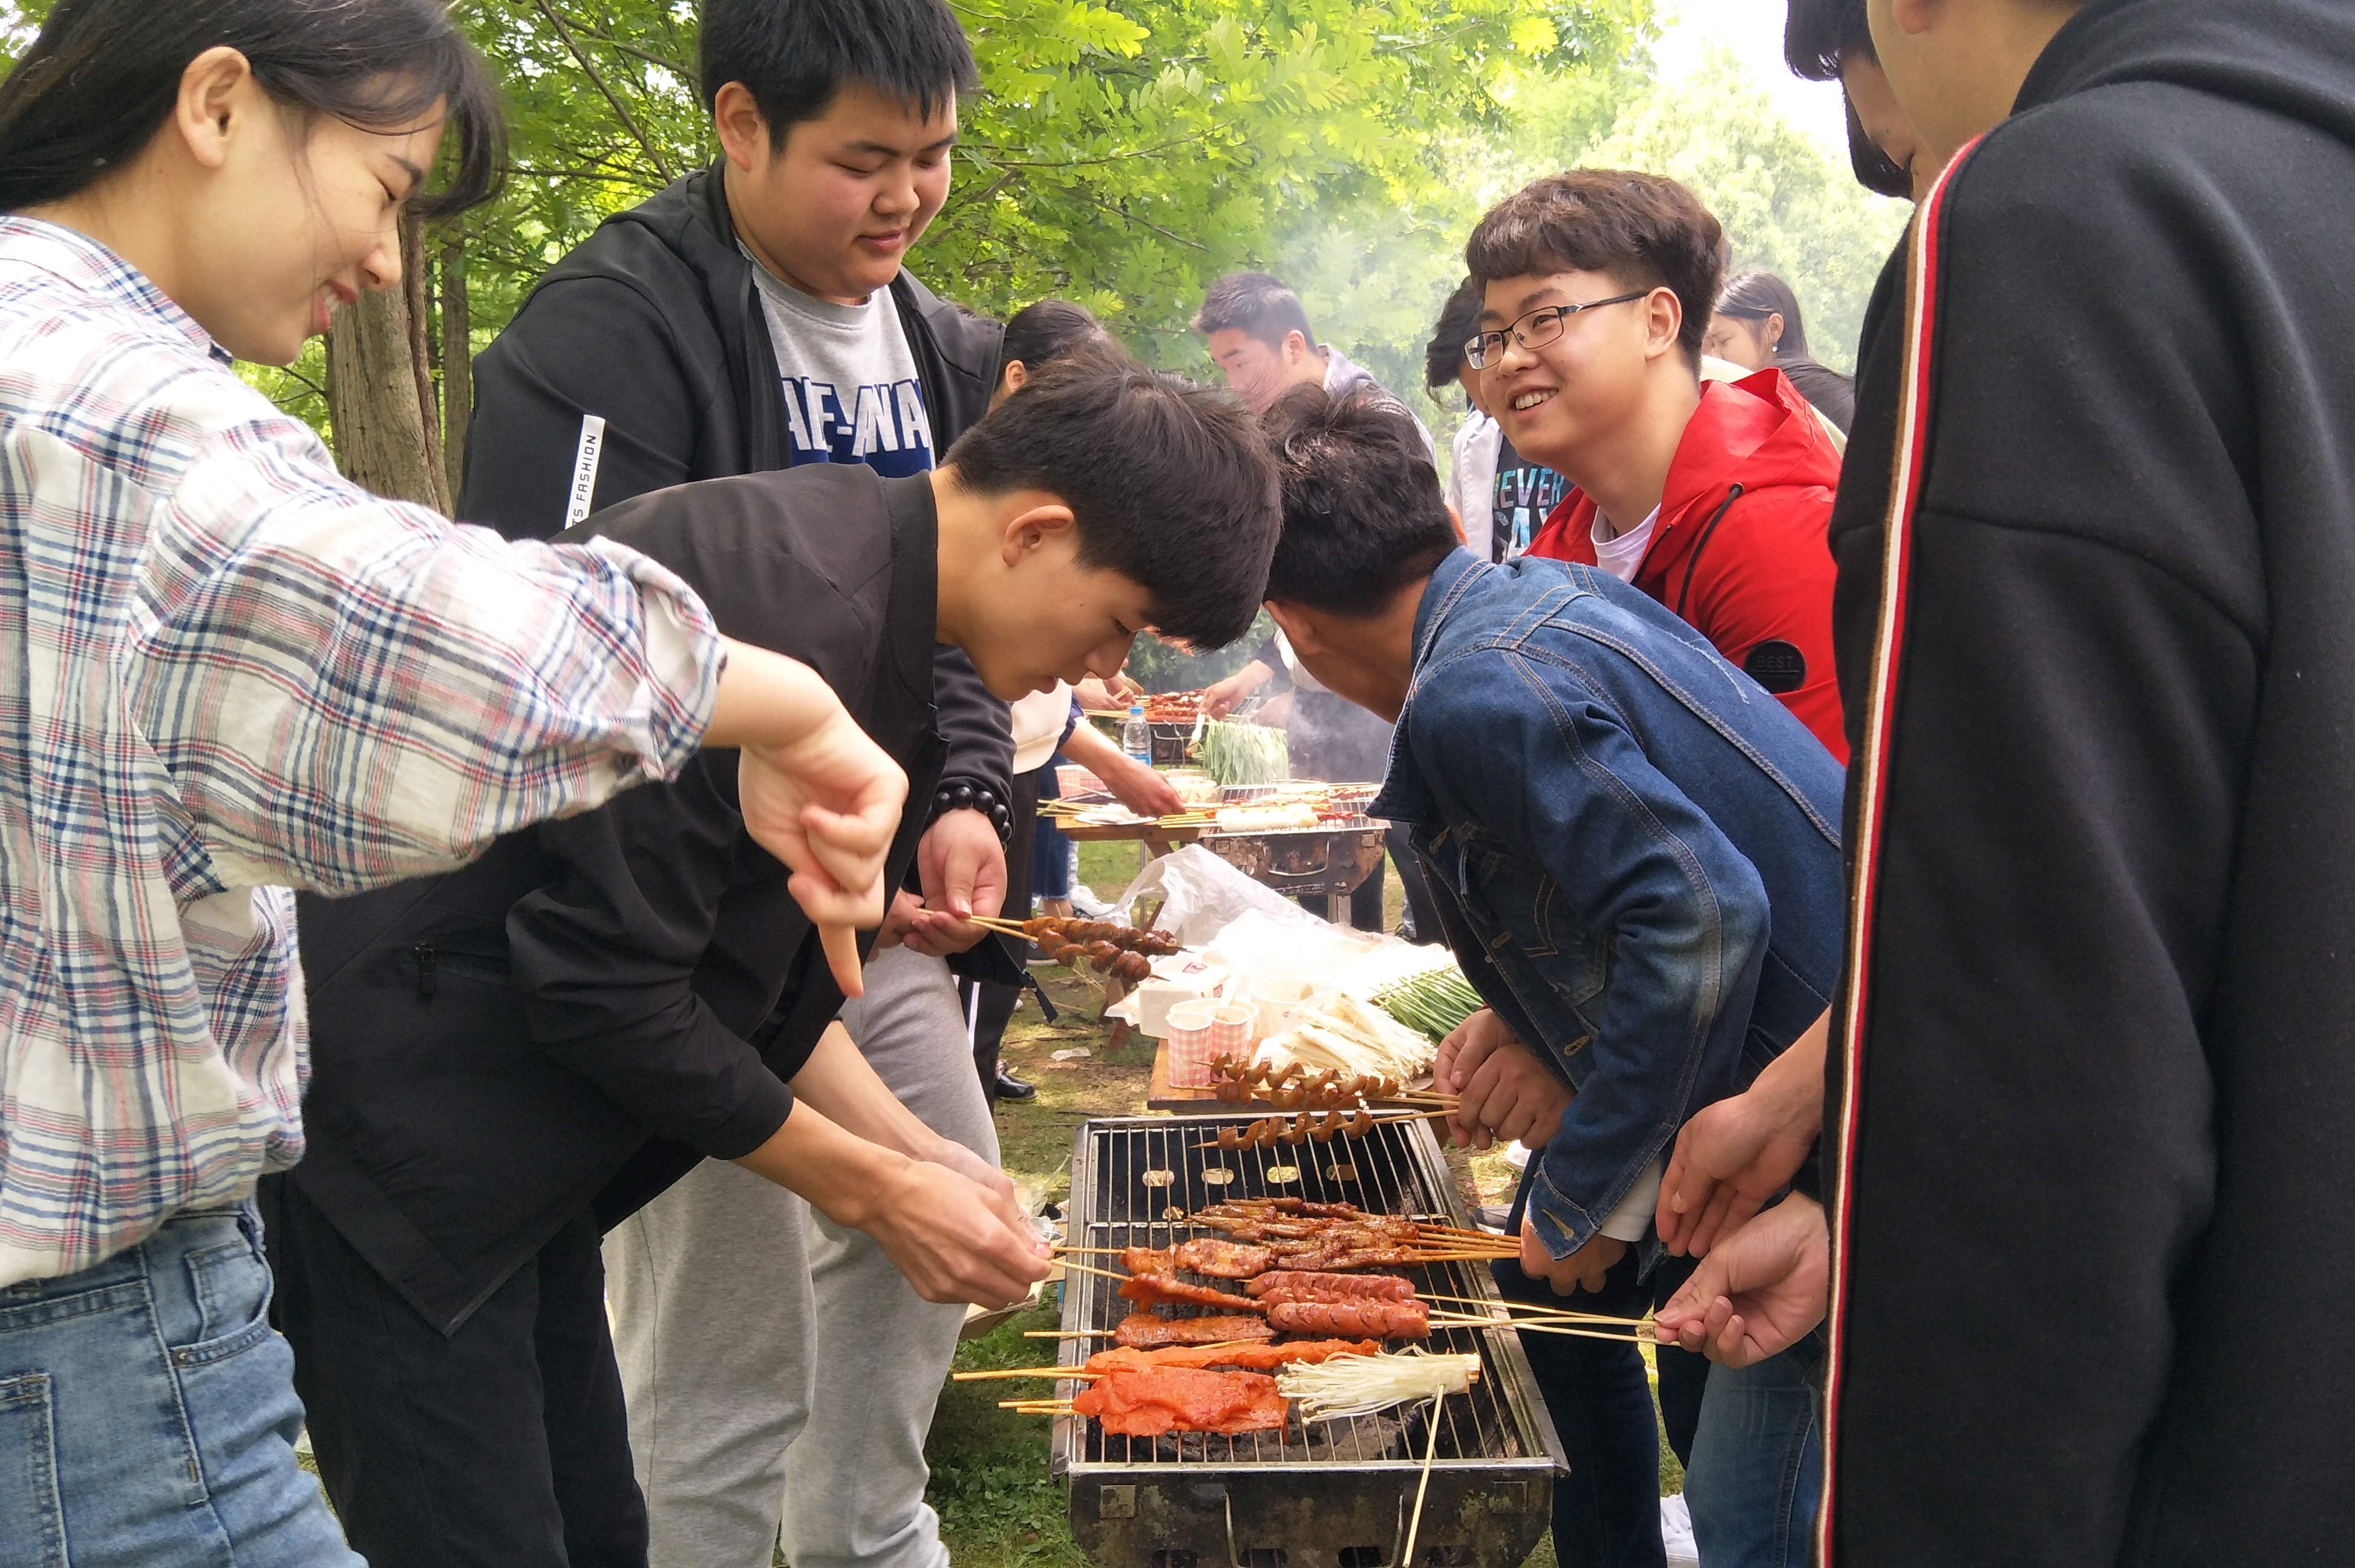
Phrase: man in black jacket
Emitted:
{"points": [[2091, 1162], [758, 316], [510, 1056]]}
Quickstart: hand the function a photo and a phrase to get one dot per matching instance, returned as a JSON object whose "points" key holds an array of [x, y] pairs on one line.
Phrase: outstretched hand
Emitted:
{"points": [[1582, 1270], [1467, 1045], [956, 1240], [1734, 1156], [1759, 1290], [1512, 1097], [826, 806]]}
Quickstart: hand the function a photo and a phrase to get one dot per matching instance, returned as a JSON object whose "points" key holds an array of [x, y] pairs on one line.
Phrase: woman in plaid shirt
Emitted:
{"points": [[226, 673]]}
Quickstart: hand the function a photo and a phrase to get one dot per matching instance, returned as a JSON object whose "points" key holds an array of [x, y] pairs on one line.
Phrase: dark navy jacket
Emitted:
{"points": [[1635, 850]]}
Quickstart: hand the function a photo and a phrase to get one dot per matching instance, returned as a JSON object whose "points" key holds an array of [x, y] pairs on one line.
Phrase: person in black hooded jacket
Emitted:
{"points": [[757, 316], [2090, 1163]]}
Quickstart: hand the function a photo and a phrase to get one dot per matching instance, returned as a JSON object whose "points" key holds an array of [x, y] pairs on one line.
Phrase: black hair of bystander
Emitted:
{"points": [[1363, 516], [1169, 483], [1755, 294], [1047, 330], [796, 57], [102, 78], [1817, 35], [1260, 305], [1459, 322]]}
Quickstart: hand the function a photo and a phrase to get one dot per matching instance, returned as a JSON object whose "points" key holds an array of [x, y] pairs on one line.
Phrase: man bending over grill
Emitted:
{"points": [[510, 1059], [1635, 855]]}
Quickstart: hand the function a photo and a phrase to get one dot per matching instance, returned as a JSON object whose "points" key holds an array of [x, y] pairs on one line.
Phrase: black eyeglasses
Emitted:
{"points": [[1535, 330]]}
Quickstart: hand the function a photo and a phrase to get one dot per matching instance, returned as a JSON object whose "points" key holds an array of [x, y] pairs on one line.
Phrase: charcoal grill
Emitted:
{"points": [[1331, 1494]]}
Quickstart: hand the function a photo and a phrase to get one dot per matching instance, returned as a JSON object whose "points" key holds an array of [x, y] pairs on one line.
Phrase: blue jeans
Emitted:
{"points": [[148, 1416], [1757, 1471]]}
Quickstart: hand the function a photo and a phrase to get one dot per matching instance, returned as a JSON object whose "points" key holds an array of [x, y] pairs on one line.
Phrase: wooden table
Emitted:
{"points": [[1160, 1094]]}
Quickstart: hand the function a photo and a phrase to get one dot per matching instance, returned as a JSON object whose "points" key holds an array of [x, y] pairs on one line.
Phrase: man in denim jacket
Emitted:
{"points": [[1635, 855]]}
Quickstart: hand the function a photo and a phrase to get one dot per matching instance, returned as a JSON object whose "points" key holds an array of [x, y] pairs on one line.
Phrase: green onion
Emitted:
{"points": [[1436, 1003], [1245, 754]]}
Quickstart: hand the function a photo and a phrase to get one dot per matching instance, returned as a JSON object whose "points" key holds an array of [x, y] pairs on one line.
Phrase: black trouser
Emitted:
{"points": [[1606, 1511], [989, 1004], [504, 1445]]}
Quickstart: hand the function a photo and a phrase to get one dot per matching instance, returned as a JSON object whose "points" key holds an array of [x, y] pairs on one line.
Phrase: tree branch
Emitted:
{"points": [[588, 69]]}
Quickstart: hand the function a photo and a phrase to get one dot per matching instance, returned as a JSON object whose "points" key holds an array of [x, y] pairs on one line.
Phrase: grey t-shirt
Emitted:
{"points": [[851, 391]]}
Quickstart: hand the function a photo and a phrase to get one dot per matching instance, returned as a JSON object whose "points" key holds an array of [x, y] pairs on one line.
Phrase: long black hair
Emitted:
{"points": [[1757, 293], [1048, 330], [102, 79]]}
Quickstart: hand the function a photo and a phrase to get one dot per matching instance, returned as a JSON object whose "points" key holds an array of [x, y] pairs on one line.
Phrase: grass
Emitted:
{"points": [[998, 1507]]}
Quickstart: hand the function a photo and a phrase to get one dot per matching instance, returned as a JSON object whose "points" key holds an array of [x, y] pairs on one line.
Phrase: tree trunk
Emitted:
{"points": [[457, 363], [380, 395], [415, 283]]}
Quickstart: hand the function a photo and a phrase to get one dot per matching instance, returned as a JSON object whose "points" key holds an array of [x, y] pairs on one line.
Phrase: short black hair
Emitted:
{"points": [[1260, 303], [1363, 516], [1646, 230], [794, 55], [1817, 35], [1170, 483], [1459, 323]]}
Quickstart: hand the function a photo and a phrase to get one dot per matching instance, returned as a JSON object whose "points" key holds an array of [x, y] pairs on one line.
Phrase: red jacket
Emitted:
{"points": [[1753, 577]]}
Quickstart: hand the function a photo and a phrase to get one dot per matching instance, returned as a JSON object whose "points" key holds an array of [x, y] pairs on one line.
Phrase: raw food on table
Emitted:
{"points": [[1341, 1032]]}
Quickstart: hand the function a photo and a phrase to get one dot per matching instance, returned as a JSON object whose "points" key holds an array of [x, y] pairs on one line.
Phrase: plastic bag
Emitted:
{"points": [[1203, 895]]}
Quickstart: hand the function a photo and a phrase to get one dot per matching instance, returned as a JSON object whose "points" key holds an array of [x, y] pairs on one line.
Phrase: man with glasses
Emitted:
{"points": [[1711, 497]]}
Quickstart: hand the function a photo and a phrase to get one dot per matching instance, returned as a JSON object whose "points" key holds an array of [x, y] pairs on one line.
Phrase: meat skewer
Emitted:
{"points": [[1360, 1318], [1258, 1357], [1255, 1356], [1301, 1284], [1145, 1402], [1150, 1330], [1156, 1289]]}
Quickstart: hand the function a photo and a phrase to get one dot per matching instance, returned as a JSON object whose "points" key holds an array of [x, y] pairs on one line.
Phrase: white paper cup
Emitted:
{"points": [[1276, 1000]]}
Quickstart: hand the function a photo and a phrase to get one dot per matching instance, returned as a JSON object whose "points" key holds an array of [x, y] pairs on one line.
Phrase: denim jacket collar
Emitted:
{"points": [[1404, 796]]}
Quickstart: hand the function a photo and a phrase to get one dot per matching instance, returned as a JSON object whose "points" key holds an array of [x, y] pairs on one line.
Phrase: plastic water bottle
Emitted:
{"points": [[1136, 735]]}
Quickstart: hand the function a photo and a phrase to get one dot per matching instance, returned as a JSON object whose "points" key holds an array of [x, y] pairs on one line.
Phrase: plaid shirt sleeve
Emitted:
{"points": [[229, 671], [346, 691]]}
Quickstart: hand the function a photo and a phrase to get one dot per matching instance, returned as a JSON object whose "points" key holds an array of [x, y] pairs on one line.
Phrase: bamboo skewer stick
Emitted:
{"points": [[1533, 1309], [1023, 1372], [1430, 1450], [1470, 1320], [1106, 1272]]}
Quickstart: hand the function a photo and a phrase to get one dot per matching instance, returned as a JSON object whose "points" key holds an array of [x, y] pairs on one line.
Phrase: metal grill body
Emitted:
{"points": [[1336, 1493]]}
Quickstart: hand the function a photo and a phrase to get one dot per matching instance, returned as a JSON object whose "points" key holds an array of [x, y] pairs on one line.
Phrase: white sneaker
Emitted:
{"points": [[1517, 1154], [1085, 902]]}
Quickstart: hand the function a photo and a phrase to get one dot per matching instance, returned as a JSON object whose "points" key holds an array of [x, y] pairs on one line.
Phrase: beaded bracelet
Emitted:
{"points": [[964, 794]]}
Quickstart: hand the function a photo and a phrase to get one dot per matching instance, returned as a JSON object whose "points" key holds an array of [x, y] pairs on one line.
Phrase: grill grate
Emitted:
{"points": [[1131, 1177]]}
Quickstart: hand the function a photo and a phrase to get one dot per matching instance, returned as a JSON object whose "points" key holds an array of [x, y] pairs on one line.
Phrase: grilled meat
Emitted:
{"points": [[1298, 1284], [1377, 1319], [1150, 1330], [1222, 1260], [1257, 1357], [1157, 1290], [1145, 1402]]}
